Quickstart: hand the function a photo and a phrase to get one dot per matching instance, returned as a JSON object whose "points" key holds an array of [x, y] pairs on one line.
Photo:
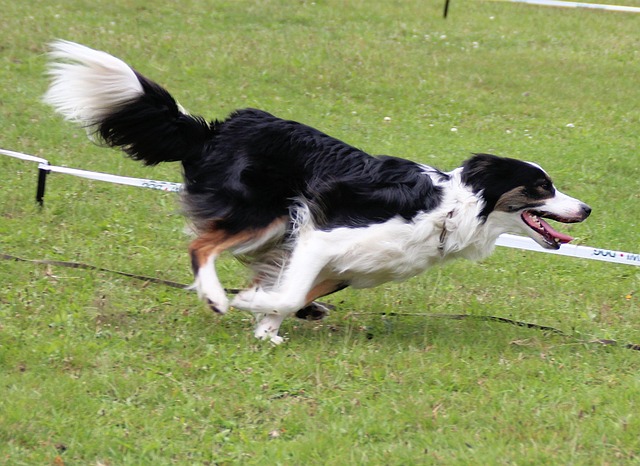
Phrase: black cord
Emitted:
{"points": [[159, 281], [78, 265]]}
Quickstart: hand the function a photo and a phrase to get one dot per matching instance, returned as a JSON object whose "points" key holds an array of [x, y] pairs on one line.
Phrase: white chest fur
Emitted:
{"points": [[398, 249]]}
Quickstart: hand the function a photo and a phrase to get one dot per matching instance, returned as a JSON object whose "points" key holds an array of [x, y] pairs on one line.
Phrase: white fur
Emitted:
{"points": [[90, 85], [368, 256], [391, 251], [562, 205], [209, 287], [268, 326]]}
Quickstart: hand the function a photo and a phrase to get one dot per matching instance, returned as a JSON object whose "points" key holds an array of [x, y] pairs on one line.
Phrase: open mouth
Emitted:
{"points": [[550, 238]]}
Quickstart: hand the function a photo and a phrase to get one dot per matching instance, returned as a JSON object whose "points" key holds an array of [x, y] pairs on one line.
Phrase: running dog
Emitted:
{"points": [[309, 214]]}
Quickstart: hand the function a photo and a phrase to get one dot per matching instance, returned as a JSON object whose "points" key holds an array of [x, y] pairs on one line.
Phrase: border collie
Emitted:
{"points": [[309, 214]]}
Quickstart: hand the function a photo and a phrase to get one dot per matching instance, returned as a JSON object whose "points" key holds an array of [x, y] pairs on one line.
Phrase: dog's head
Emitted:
{"points": [[518, 196]]}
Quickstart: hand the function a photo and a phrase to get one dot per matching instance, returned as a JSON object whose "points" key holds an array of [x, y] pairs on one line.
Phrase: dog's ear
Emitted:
{"points": [[478, 168], [487, 176], [490, 177], [483, 171]]}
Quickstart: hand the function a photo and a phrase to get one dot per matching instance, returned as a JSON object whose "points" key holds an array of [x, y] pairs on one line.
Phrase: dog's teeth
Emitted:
{"points": [[537, 220]]}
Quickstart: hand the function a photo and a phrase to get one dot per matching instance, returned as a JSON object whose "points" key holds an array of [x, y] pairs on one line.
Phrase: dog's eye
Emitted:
{"points": [[546, 185], [540, 188]]}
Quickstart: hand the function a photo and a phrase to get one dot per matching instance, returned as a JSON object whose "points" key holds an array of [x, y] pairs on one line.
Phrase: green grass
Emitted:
{"points": [[98, 369]]}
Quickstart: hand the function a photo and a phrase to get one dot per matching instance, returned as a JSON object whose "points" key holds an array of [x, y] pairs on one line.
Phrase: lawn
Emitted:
{"points": [[100, 369]]}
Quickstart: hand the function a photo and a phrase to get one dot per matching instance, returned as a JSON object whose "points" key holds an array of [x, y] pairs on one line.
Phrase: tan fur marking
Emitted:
{"points": [[514, 200], [216, 241], [322, 289]]}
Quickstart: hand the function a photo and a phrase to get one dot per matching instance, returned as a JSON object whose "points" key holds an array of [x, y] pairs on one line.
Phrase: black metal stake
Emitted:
{"points": [[42, 184]]}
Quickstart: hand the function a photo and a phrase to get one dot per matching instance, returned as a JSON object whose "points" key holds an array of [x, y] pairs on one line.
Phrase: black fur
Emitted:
{"points": [[153, 130], [247, 176], [252, 168], [494, 176]]}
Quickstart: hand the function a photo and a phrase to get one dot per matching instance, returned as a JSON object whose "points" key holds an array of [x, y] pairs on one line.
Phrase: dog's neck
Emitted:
{"points": [[463, 232], [443, 233]]}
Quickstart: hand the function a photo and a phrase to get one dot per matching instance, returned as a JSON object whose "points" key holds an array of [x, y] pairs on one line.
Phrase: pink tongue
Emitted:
{"points": [[556, 234]]}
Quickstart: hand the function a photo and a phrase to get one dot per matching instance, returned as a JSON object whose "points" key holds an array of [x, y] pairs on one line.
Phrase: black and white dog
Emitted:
{"points": [[308, 213]]}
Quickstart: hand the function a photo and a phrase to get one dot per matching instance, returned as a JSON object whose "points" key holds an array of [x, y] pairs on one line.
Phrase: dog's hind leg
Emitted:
{"points": [[315, 310], [204, 251], [207, 247]]}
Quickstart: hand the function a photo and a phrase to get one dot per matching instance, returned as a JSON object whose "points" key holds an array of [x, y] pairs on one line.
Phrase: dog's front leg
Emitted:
{"points": [[292, 292], [269, 323]]}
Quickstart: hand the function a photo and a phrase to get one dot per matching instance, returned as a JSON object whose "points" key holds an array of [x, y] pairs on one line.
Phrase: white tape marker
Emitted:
{"points": [[139, 182], [563, 4], [510, 241], [572, 250], [19, 155]]}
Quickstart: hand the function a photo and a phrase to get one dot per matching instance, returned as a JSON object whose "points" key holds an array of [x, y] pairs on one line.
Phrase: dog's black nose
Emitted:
{"points": [[586, 210]]}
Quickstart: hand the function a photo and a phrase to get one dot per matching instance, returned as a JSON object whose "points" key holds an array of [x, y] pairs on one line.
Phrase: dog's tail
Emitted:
{"points": [[122, 107]]}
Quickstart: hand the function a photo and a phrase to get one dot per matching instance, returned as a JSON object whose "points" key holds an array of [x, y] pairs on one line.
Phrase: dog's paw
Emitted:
{"points": [[256, 300], [314, 311], [273, 339], [260, 301], [276, 340], [215, 297], [244, 299], [219, 307], [267, 329]]}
